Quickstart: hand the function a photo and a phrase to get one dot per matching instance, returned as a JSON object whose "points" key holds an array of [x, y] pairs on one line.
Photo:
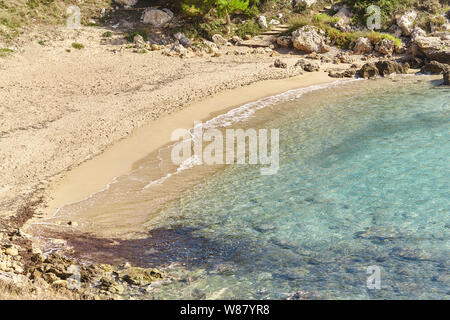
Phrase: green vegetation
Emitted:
{"points": [[107, 34], [5, 51], [16, 14], [130, 35], [77, 46], [341, 39]]}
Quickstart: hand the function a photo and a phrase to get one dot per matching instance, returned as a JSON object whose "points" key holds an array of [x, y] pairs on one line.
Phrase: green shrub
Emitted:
{"points": [[248, 27], [77, 46], [130, 35]]}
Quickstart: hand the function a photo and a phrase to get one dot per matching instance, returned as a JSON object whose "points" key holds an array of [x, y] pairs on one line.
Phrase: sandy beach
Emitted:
{"points": [[61, 109]]}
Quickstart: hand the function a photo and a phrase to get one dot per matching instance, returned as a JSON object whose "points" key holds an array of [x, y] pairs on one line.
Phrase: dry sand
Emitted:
{"points": [[58, 109]]}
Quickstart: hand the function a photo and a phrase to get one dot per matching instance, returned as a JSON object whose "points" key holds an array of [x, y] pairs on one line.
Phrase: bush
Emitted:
{"points": [[248, 27]]}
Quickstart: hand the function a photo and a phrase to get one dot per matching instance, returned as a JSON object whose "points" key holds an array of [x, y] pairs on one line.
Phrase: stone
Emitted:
{"points": [[362, 46], [156, 47], [386, 67], [309, 39], [274, 22], [305, 3], [406, 22], [139, 276], [350, 73], [157, 18], [262, 21], [434, 67], [280, 64], [219, 40], [427, 44], [385, 47], [307, 66], [126, 3], [344, 14], [418, 32], [368, 71], [442, 56], [447, 78], [284, 41], [11, 251], [184, 41]]}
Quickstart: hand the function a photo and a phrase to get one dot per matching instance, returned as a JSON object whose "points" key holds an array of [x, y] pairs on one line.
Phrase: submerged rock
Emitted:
{"points": [[139, 276]]}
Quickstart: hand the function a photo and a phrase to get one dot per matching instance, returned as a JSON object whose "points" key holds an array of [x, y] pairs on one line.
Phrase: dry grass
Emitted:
{"points": [[15, 15]]}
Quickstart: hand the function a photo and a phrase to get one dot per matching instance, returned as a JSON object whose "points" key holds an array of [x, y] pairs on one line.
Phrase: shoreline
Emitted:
{"points": [[77, 184]]}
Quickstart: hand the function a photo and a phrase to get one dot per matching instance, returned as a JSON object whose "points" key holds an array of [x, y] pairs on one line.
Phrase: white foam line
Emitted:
{"points": [[242, 113]]}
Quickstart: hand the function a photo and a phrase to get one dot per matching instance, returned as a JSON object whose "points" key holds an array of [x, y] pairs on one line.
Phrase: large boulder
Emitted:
{"points": [[406, 22], [434, 67], [309, 39], [157, 18], [284, 41], [386, 67], [427, 44], [126, 3], [442, 56], [344, 14], [362, 46], [385, 47], [368, 71]]}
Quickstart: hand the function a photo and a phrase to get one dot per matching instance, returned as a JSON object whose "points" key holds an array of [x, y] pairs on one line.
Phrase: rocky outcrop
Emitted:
{"points": [[406, 22], [442, 56], [385, 47], [307, 66], [309, 39], [362, 46], [434, 67], [386, 67], [350, 73], [157, 18], [368, 71], [382, 68]]}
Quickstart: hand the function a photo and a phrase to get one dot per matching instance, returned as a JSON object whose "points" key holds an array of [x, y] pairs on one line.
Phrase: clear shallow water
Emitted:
{"points": [[363, 181]]}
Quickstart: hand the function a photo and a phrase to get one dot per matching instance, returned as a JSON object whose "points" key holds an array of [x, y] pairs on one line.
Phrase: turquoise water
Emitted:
{"points": [[363, 181]]}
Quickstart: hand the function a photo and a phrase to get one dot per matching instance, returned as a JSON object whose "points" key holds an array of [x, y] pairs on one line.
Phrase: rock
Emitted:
{"points": [[59, 283], [274, 22], [247, 37], [416, 63], [368, 71], [406, 22], [442, 56], [219, 40], [418, 32], [157, 18], [139, 276], [126, 3], [427, 44], [284, 41], [305, 3], [386, 67], [11, 251], [280, 64], [309, 39], [344, 14], [350, 73], [156, 47], [385, 47], [236, 39], [447, 78], [262, 21], [109, 285], [307, 66], [184, 41], [434, 67], [362, 46], [304, 295]]}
